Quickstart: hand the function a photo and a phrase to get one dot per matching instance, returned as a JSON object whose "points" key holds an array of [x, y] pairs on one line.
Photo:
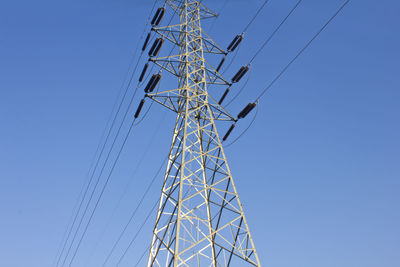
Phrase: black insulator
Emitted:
{"points": [[143, 72], [224, 95], [160, 43], [220, 64], [158, 16], [155, 48], [156, 81], [149, 83], [246, 110], [228, 132], [146, 42], [235, 42], [152, 83], [139, 108], [243, 70]]}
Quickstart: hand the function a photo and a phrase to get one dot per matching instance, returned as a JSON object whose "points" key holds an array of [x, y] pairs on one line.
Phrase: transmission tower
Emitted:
{"points": [[200, 220]]}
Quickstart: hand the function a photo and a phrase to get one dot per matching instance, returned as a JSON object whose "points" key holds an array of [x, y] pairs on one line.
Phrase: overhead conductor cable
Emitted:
{"points": [[239, 38], [86, 191], [303, 49], [248, 108]]}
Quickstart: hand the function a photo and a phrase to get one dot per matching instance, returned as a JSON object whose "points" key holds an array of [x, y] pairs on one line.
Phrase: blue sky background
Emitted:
{"points": [[318, 173]]}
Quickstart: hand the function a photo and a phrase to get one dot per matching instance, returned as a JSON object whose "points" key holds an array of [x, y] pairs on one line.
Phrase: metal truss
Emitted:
{"points": [[200, 220]]}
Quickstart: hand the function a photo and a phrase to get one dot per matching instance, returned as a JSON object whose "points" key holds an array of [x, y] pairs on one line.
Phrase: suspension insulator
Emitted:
{"points": [[158, 16], [228, 132], [220, 64], [152, 83], [143, 72], [239, 75], [139, 108], [155, 48], [224, 95], [156, 81], [246, 110], [235, 42], [146, 42]]}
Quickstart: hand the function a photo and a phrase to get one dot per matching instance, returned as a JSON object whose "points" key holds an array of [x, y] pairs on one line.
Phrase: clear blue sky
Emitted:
{"points": [[318, 173]]}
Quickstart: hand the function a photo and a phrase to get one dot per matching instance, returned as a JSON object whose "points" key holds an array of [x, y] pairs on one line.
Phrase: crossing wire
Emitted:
{"points": [[140, 228], [128, 185], [275, 31], [218, 14], [261, 48], [104, 164], [106, 183], [149, 186], [287, 66], [101, 193], [143, 254], [244, 30], [303, 49], [255, 16], [137, 232], [105, 142]]}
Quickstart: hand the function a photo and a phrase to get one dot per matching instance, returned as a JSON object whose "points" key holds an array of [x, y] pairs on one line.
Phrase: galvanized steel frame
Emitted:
{"points": [[200, 219]]}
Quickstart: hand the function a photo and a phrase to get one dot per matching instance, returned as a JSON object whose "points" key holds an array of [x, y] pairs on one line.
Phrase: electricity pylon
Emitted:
{"points": [[200, 220]]}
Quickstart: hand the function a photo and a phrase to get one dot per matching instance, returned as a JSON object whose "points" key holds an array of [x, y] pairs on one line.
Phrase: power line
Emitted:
{"points": [[290, 63], [255, 16], [153, 180], [135, 211], [218, 14], [275, 31], [128, 185], [103, 167], [262, 47], [112, 145], [146, 219], [239, 42], [105, 142], [302, 50], [102, 192], [143, 254], [108, 178], [138, 231]]}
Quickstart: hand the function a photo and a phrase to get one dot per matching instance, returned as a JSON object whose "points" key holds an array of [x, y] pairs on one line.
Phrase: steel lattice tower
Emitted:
{"points": [[200, 220]]}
